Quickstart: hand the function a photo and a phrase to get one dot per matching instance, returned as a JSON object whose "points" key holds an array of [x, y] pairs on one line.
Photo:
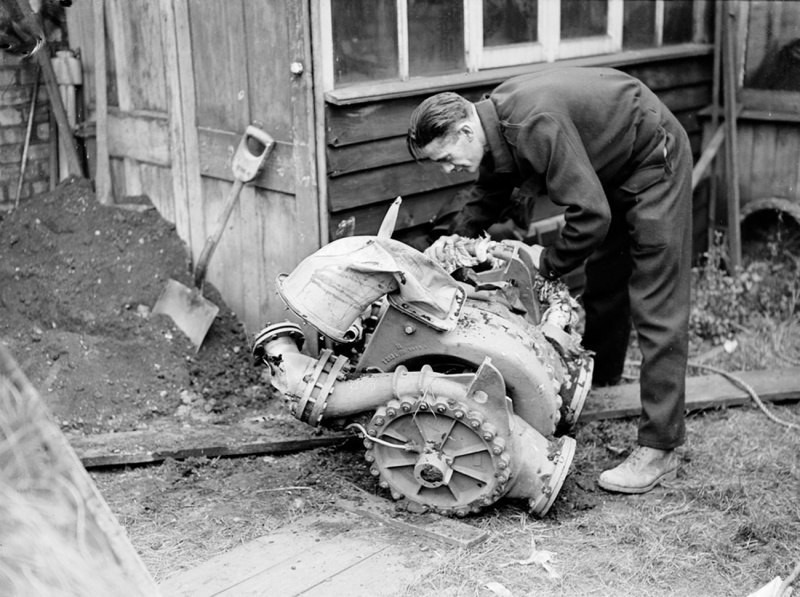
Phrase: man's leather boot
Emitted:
{"points": [[641, 471]]}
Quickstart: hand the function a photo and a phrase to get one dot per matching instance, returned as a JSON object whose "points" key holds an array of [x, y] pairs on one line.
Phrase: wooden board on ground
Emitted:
{"points": [[338, 553], [251, 438], [158, 443], [702, 392]]}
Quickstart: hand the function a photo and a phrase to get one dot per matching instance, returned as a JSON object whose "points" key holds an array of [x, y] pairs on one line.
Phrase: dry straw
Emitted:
{"points": [[57, 535]]}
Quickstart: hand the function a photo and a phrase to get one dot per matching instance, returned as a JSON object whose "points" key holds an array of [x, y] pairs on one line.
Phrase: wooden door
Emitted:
{"points": [[244, 62]]}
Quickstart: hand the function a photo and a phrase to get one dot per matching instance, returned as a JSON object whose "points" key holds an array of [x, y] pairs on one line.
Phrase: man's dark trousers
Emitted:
{"points": [[642, 274]]}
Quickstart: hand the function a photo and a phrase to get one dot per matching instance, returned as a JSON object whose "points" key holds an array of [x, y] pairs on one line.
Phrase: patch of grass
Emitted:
{"points": [[726, 526]]}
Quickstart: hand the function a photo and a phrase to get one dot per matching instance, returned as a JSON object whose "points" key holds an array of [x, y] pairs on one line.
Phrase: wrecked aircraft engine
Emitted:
{"points": [[458, 383]]}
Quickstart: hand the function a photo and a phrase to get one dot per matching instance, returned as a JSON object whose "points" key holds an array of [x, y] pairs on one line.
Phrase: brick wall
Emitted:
{"points": [[16, 86]]}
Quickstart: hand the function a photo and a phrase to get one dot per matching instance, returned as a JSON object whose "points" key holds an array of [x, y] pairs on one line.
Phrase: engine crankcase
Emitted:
{"points": [[531, 368]]}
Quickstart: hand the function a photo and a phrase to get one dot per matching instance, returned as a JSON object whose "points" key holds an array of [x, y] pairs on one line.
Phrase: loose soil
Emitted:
{"points": [[77, 283]]}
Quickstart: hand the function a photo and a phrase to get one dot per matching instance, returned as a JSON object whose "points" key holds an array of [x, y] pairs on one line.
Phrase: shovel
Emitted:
{"points": [[189, 309]]}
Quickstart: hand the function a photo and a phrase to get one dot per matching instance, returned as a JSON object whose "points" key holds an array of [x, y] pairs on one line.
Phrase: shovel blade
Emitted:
{"points": [[188, 308]]}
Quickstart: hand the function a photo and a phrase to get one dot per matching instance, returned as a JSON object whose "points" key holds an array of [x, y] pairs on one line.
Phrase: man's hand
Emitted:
{"points": [[442, 248], [454, 252]]}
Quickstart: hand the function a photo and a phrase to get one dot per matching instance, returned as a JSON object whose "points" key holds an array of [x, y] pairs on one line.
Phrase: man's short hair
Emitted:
{"points": [[435, 117]]}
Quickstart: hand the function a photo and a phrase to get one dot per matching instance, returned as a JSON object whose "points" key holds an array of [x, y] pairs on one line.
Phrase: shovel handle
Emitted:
{"points": [[246, 166], [213, 240]]}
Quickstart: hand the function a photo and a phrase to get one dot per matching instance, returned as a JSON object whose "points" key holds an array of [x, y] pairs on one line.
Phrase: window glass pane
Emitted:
{"points": [[639, 24], [773, 46], [509, 22], [583, 18], [364, 40], [435, 36], [678, 21]]}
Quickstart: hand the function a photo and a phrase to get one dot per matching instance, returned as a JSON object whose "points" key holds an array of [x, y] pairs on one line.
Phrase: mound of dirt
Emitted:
{"points": [[77, 282]]}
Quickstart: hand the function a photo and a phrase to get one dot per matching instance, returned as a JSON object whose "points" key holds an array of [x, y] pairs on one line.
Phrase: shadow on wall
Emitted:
{"points": [[780, 69]]}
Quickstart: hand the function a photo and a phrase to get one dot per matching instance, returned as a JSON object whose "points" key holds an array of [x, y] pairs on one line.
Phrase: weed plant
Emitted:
{"points": [[727, 300]]}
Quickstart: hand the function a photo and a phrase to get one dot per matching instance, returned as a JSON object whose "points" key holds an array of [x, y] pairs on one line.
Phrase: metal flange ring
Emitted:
{"points": [[446, 461]]}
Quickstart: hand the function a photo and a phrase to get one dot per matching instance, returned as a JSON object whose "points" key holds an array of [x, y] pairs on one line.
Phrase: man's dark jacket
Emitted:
{"points": [[577, 135]]}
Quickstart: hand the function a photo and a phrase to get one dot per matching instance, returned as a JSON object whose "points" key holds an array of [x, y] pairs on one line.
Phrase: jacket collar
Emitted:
{"points": [[498, 148]]}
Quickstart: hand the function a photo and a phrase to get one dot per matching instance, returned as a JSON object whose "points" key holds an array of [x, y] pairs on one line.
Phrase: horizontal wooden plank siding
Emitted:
{"points": [[368, 164], [371, 186], [347, 159], [668, 75], [365, 156], [417, 210]]}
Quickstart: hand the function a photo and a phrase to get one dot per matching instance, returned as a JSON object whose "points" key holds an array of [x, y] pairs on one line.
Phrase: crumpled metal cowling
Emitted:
{"points": [[333, 287]]}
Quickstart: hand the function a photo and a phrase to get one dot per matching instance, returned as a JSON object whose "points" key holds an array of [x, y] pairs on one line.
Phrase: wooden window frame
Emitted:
{"points": [[479, 59], [549, 47]]}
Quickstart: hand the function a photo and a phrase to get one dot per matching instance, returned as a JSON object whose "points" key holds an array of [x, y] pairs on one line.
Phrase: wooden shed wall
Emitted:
{"points": [[186, 76], [185, 79], [368, 164], [769, 160]]}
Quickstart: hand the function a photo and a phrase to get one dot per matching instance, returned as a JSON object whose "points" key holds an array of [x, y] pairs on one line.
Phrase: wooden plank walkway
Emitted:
{"points": [[332, 556], [702, 392], [343, 552]]}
